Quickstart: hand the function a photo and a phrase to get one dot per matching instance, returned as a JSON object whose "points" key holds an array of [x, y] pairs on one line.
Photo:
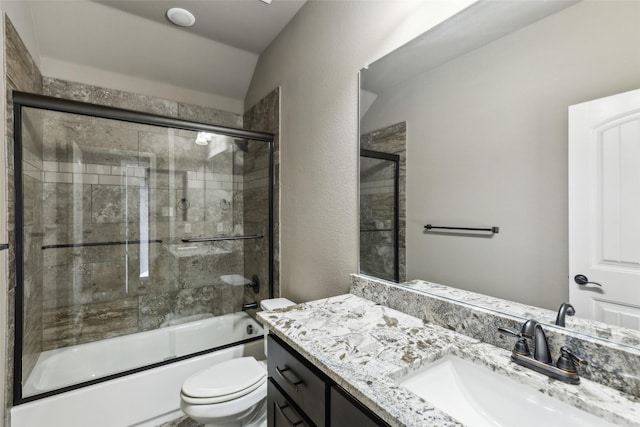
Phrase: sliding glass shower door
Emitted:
{"points": [[131, 224]]}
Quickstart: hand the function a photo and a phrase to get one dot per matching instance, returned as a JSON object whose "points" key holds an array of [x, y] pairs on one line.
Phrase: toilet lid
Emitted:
{"points": [[232, 378]]}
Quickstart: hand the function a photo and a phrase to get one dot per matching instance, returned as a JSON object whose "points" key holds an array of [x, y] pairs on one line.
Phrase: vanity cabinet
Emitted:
{"points": [[300, 383], [299, 394], [280, 410], [348, 412]]}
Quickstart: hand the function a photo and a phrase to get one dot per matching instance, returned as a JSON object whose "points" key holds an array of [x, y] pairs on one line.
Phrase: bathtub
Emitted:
{"points": [[147, 398]]}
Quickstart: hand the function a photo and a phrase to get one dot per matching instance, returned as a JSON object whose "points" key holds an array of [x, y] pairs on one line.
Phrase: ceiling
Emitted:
{"points": [[245, 24], [217, 55]]}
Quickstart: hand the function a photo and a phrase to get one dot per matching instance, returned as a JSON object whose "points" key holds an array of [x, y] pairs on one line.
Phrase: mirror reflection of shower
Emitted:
{"points": [[379, 197], [382, 202]]}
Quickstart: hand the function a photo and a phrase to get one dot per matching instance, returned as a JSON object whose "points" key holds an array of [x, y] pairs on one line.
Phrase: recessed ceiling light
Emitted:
{"points": [[181, 17], [266, 1]]}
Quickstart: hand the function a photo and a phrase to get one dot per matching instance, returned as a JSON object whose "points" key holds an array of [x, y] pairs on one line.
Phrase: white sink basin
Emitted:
{"points": [[477, 396]]}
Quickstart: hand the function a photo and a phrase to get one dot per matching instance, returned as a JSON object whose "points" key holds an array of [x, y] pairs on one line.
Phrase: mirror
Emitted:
{"points": [[484, 97]]}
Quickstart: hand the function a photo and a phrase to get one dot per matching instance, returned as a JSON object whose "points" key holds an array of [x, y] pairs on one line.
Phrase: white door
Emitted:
{"points": [[604, 209]]}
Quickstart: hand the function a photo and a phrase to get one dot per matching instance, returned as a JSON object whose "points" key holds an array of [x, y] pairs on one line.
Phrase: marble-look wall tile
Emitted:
{"points": [[109, 97], [115, 204], [21, 71], [609, 363], [67, 204], [74, 138], [169, 308], [32, 124], [153, 309], [195, 113], [264, 116], [78, 324], [22, 74], [206, 269]]}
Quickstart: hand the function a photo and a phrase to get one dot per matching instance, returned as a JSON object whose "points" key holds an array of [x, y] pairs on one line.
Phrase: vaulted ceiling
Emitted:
{"points": [[217, 55]]}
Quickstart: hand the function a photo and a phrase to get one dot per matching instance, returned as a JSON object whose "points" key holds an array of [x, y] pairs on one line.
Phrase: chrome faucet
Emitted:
{"points": [[565, 309], [540, 360]]}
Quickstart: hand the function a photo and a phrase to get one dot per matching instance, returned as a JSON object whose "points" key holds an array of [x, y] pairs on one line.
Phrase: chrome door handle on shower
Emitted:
{"points": [[582, 280]]}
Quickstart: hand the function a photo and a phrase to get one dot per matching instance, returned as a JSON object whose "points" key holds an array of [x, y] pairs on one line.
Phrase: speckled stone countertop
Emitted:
{"points": [[366, 348]]}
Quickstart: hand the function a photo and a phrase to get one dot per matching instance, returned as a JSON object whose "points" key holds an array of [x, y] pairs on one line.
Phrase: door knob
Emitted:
{"points": [[582, 280]]}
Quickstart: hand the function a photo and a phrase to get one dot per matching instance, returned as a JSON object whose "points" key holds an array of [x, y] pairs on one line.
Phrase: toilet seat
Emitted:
{"points": [[224, 382]]}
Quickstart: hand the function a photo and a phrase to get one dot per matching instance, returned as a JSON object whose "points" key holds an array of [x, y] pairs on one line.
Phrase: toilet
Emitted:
{"points": [[233, 392]]}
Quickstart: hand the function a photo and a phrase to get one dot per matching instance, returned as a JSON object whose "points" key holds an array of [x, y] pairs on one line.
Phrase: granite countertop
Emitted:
{"points": [[365, 347]]}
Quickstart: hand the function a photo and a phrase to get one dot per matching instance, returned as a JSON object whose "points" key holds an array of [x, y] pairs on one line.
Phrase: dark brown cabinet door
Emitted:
{"points": [[346, 412], [281, 412], [306, 389]]}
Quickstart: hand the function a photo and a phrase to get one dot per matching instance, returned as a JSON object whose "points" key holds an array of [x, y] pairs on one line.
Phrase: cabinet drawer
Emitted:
{"points": [[301, 384], [280, 411]]}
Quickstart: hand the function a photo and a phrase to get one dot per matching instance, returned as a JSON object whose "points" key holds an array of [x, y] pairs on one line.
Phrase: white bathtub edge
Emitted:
{"points": [[139, 399]]}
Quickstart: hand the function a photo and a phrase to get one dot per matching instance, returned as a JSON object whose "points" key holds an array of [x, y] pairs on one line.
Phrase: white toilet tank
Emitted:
{"points": [[272, 304]]}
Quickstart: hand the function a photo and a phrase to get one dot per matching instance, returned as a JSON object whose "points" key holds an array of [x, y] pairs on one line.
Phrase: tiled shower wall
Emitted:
{"points": [[376, 206], [21, 74], [150, 303], [262, 117], [107, 181]]}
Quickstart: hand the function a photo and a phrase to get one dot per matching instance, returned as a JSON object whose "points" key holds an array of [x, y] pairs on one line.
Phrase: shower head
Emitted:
{"points": [[242, 144]]}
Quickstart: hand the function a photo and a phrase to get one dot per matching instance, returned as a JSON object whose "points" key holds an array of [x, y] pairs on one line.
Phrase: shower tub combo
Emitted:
{"points": [[145, 398], [136, 236]]}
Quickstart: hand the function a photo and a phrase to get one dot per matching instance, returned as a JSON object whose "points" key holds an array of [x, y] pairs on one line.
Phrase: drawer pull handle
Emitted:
{"points": [[295, 383], [284, 415]]}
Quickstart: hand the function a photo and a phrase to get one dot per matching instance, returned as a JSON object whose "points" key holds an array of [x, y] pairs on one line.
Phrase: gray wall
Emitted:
{"points": [[316, 60], [487, 146]]}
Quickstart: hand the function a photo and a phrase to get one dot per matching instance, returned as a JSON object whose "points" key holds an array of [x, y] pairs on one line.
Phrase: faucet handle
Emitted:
{"points": [[567, 360], [521, 346], [509, 332]]}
